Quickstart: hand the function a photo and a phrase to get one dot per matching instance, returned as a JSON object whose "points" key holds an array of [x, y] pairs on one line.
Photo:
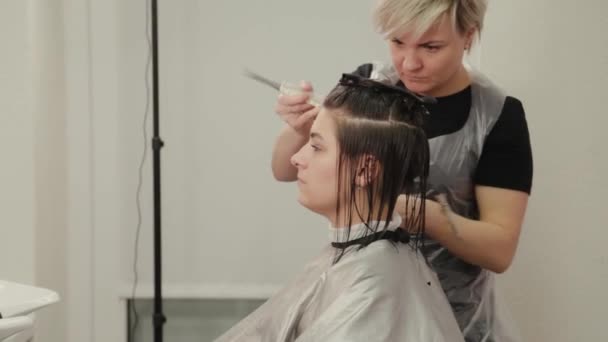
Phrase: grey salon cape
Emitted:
{"points": [[383, 292]]}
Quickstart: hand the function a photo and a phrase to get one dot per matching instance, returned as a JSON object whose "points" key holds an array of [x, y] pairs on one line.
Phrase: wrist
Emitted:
{"points": [[442, 221], [301, 135], [434, 218]]}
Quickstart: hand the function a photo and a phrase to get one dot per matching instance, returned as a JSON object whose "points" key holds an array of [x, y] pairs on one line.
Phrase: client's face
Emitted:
{"points": [[317, 163]]}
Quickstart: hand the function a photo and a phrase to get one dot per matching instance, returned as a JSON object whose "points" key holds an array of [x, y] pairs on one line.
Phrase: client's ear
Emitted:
{"points": [[368, 170]]}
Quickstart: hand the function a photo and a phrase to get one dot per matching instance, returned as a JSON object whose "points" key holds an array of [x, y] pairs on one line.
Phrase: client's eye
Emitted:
{"points": [[315, 148]]}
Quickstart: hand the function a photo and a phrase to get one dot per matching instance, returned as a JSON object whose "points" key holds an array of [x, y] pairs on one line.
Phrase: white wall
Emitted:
{"points": [[70, 174], [554, 56], [215, 192], [33, 201], [48, 103], [220, 201], [17, 147], [79, 108], [219, 129]]}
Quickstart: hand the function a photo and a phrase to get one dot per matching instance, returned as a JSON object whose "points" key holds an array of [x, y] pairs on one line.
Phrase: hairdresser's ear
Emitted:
{"points": [[368, 170], [469, 37]]}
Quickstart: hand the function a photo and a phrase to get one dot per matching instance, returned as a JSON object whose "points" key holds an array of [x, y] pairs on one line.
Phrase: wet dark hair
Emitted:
{"points": [[380, 124]]}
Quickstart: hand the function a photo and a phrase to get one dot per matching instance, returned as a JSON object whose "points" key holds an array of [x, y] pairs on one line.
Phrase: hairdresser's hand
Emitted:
{"points": [[296, 112], [404, 208]]}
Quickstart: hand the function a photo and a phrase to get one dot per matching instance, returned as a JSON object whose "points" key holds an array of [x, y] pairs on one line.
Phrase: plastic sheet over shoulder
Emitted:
{"points": [[384, 292]]}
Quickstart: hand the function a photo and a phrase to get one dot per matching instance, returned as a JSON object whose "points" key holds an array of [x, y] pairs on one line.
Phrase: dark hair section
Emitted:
{"points": [[380, 124]]}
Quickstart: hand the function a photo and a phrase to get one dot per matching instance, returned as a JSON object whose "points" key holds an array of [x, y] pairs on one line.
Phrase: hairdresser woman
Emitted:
{"points": [[481, 160]]}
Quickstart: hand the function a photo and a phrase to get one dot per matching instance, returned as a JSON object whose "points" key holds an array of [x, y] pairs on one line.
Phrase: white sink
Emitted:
{"points": [[16, 302], [14, 325], [18, 299]]}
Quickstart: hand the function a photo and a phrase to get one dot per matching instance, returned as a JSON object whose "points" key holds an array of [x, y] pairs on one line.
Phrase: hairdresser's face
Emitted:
{"points": [[317, 167], [432, 63]]}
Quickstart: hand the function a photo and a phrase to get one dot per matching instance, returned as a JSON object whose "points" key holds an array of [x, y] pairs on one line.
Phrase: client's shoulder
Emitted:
{"points": [[382, 261]]}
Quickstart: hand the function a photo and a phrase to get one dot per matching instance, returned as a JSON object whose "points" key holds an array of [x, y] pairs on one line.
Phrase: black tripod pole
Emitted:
{"points": [[158, 318]]}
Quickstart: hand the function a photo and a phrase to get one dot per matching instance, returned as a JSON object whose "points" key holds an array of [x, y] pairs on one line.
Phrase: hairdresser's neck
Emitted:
{"points": [[456, 83]]}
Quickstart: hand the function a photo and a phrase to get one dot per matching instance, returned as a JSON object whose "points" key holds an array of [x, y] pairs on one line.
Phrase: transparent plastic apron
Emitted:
{"points": [[453, 161], [454, 157]]}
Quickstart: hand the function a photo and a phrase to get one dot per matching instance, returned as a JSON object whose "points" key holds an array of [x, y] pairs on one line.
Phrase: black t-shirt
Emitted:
{"points": [[506, 158]]}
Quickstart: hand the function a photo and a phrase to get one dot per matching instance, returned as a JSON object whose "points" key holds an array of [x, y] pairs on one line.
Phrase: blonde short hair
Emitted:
{"points": [[395, 17]]}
